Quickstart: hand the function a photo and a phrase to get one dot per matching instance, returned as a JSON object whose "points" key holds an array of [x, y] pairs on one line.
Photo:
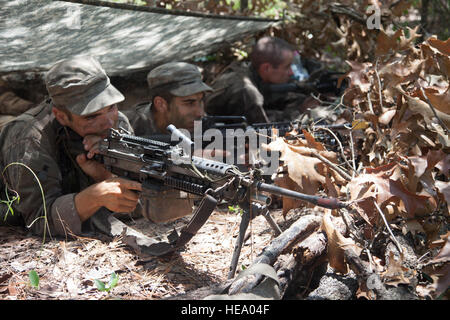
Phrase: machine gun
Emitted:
{"points": [[159, 166], [223, 123], [324, 82], [234, 127]]}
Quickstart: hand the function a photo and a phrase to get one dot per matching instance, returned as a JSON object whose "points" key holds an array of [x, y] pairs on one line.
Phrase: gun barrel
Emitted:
{"points": [[330, 203]]}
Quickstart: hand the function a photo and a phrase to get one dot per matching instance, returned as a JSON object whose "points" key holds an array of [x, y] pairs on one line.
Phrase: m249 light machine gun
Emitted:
{"points": [[161, 166]]}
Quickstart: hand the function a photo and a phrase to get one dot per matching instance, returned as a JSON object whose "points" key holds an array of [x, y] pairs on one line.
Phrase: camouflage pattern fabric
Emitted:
{"points": [[11, 105], [239, 91], [141, 119], [236, 93], [37, 140]]}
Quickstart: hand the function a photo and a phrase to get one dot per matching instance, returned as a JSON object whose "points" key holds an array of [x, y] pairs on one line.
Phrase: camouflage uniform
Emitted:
{"points": [[241, 92], [179, 79], [36, 139], [36, 143], [141, 119], [10, 104], [237, 93]]}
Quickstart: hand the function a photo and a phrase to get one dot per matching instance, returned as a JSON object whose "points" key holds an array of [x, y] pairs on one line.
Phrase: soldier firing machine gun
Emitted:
{"points": [[159, 165]]}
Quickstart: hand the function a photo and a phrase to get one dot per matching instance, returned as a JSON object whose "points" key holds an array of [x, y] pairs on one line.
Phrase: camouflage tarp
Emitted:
{"points": [[34, 34]]}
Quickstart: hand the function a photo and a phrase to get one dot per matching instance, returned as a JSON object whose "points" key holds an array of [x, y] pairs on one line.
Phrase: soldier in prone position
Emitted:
{"points": [[52, 139]]}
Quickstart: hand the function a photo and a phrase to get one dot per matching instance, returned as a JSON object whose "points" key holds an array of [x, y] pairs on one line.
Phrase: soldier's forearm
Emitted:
{"points": [[87, 203]]}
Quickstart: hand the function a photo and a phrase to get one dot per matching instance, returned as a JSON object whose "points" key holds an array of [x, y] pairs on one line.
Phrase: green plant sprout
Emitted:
{"points": [[9, 202], [101, 286], [34, 279], [235, 209], [42, 194], [32, 275]]}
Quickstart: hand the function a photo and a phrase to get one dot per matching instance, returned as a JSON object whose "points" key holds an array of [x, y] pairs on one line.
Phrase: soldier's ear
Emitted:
{"points": [[160, 104], [61, 116], [264, 70]]}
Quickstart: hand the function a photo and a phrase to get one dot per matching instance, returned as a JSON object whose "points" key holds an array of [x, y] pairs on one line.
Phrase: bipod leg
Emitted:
{"points": [[245, 220], [271, 222]]}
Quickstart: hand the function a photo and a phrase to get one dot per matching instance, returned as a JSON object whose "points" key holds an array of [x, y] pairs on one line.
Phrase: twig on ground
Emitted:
{"points": [[397, 244], [320, 100], [347, 224], [369, 101], [352, 148], [340, 146], [340, 171]]}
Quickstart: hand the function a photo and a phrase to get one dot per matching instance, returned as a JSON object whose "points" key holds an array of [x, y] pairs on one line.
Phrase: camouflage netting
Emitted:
{"points": [[34, 34]]}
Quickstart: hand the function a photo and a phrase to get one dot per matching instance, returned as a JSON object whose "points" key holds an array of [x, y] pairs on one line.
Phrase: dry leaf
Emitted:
{"points": [[439, 52], [284, 181], [359, 75], [337, 243], [386, 117], [302, 169], [379, 184], [444, 189], [387, 43], [442, 46], [399, 7], [444, 254], [395, 273], [439, 100], [408, 42], [421, 107], [412, 226]]}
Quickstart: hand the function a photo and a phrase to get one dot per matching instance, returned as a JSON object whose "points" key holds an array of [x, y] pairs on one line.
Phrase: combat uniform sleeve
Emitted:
{"points": [[235, 95], [33, 172], [11, 104], [141, 120]]}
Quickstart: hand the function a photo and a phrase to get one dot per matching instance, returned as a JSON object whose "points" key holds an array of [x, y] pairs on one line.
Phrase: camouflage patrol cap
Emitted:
{"points": [[81, 85], [179, 78]]}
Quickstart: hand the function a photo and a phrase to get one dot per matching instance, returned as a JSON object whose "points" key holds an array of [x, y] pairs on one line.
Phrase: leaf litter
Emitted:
{"points": [[68, 269], [398, 90]]}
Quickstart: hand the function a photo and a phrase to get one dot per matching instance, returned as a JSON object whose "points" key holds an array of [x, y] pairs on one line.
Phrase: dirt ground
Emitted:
{"points": [[68, 269]]}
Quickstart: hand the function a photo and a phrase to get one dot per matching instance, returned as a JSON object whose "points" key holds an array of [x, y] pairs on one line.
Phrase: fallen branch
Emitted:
{"points": [[338, 8], [298, 231], [307, 251]]}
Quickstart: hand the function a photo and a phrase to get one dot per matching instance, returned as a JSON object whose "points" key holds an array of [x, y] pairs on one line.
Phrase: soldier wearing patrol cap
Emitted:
{"points": [[176, 93], [51, 140]]}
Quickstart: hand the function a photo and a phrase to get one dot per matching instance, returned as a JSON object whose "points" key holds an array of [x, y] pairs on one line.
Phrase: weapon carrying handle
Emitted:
{"points": [[180, 136]]}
